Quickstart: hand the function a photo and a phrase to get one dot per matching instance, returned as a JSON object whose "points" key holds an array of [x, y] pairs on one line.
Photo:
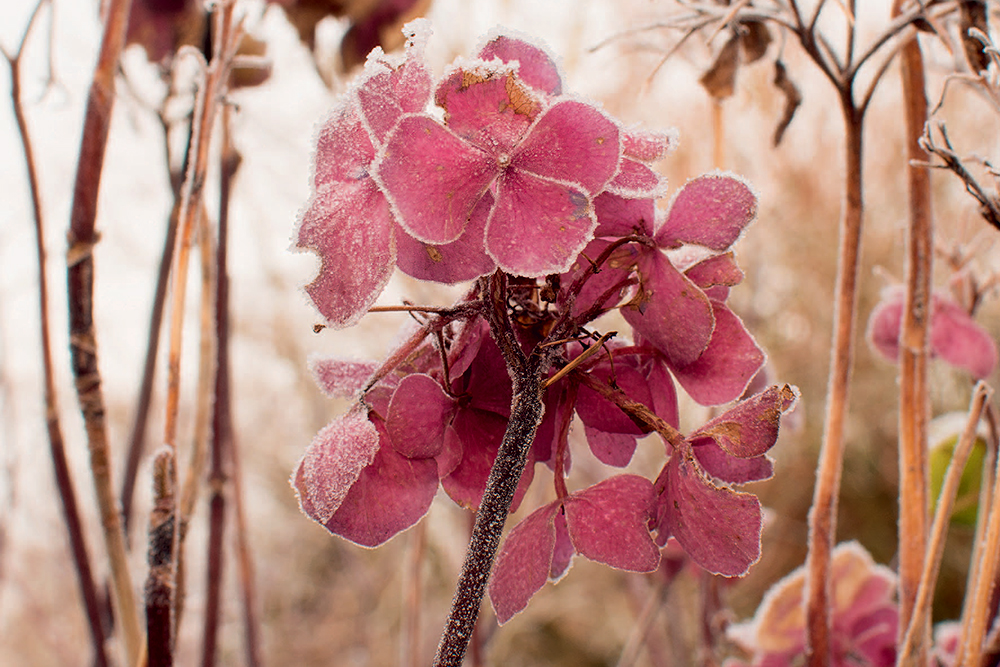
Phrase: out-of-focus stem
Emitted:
{"points": [[160, 557], [57, 449], [83, 340], [823, 512], [913, 409], [409, 645], [914, 634]]}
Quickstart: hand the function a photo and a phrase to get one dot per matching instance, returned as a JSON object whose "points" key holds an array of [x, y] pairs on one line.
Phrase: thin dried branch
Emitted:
{"points": [[82, 237], [57, 448], [989, 205], [161, 558]]}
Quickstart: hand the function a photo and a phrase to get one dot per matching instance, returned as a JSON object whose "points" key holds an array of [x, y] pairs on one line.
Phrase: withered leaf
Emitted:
{"points": [[793, 98], [720, 79], [754, 39]]}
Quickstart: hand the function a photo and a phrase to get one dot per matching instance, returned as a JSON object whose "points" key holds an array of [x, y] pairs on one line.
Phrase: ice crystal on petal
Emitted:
{"points": [[341, 378], [535, 66], [864, 617]]}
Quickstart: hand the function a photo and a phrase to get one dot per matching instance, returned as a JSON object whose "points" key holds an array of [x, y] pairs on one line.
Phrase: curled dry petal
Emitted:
{"points": [[749, 428], [536, 66]]}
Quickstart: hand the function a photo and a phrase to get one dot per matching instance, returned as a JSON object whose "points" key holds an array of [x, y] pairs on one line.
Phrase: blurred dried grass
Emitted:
{"points": [[325, 602]]}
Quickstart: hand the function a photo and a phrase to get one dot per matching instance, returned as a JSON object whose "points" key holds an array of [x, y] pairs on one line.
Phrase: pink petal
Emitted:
{"points": [[600, 413], [711, 210], [537, 226], [433, 179], [670, 311], [727, 365], [344, 151], [535, 66], [727, 468], [574, 142], [613, 449], [488, 106], [884, 324], [389, 496], [418, 415], [562, 554], [462, 259], [619, 216], [451, 453], [522, 566], [718, 527], [333, 462], [715, 271], [749, 428], [664, 394], [599, 289], [648, 145], [387, 92], [340, 378], [960, 340], [351, 230], [608, 523], [635, 179]]}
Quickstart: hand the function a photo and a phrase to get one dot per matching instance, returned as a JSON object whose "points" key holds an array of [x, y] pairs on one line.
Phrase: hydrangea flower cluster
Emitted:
{"points": [[493, 174]]}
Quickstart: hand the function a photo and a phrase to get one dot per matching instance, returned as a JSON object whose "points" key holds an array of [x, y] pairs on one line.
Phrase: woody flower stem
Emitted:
{"points": [[525, 415]]}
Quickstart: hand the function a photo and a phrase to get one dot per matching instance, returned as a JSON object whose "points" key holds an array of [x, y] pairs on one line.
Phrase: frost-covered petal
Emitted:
{"points": [[350, 228], [726, 366], [604, 288], [711, 210], [488, 106], [608, 523], [600, 413], [389, 496], [647, 145], [523, 563], [537, 226], [418, 415], [433, 179], [333, 462], [535, 66], [670, 311], [341, 378], [563, 553], [462, 259], [344, 150], [619, 216], [388, 91], [635, 179], [749, 428], [571, 141], [717, 270], [718, 527], [663, 393]]}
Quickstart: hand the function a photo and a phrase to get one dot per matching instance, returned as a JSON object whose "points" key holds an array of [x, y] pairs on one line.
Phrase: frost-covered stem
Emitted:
{"points": [[914, 634], [913, 339], [160, 556], [525, 416], [823, 512], [82, 237], [57, 448]]}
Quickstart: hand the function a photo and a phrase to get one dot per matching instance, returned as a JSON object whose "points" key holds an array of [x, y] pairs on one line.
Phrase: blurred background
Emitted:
{"points": [[323, 601]]}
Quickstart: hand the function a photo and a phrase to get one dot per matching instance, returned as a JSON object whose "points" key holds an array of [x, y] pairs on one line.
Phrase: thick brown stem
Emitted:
{"points": [[83, 340], [913, 397], [823, 513]]}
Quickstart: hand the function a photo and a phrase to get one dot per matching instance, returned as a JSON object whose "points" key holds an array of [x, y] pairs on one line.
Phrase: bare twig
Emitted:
{"points": [[57, 449], [83, 340], [161, 558]]}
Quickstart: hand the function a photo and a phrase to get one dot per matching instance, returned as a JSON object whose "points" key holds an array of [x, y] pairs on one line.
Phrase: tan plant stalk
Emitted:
{"points": [[913, 351], [161, 558], [914, 635], [82, 237]]}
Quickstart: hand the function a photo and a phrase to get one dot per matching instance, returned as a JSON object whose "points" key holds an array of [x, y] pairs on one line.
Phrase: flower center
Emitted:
{"points": [[503, 160]]}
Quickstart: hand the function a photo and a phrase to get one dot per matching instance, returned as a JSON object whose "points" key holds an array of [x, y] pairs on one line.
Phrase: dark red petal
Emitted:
{"points": [[522, 566]]}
